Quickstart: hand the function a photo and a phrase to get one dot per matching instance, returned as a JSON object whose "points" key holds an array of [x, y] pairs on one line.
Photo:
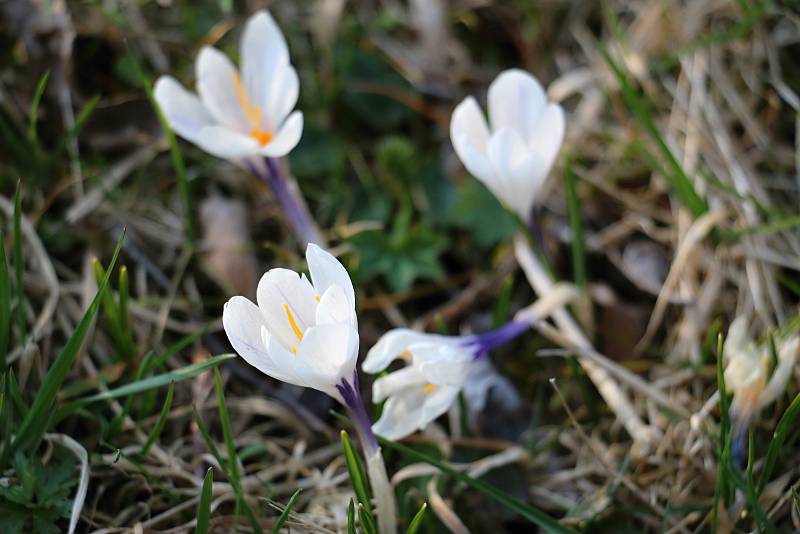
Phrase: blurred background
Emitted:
{"points": [[704, 91]]}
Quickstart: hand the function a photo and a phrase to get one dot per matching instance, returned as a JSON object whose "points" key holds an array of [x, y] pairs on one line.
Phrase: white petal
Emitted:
{"points": [[390, 346], [519, 172], [334, 307], [402, 414], [222, 142], [481, 379], [286, 137], [183, 110], [397, 381], [516, 99], [546, 135], [216, 84], [281, 96], [279, 288], [469, 134], [440, 363], [328, 353], [265, 61], [327, 271], [243, 325], [737, 339], [787, 356], [437, 402]]}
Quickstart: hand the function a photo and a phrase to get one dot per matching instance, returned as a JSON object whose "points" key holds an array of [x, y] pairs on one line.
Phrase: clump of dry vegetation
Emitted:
{"points": [[672, 209]]}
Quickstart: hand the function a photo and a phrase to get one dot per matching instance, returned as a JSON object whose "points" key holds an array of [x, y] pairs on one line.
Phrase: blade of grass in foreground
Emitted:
{"points": [[285, 514], [204, 508], [5, 304], [534, 515], [162, 420], [357, 477], [233, 462], [146, 384], [785, 424], [34, 425], [413, 527], [676, 177], [34, 112]]}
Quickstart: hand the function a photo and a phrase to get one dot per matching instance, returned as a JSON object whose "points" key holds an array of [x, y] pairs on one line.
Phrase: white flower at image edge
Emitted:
{"points": [[301, 332], [235, 116], [422, 390], [512, 154], [747, 370]]}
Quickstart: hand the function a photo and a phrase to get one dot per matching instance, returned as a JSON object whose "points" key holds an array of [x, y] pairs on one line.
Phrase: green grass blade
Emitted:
{"points": [[139, 386], [354, 468], [80, 121], [285, 514], [367, 523], [35, 423], [351, 518], [413, 527], [5, 304], [34, 112], [785, 424], [162, 420], [576, 227], [124, 321], [534, 515], [232, 463], [18, 263], [677, 180], [177, 158], [204, 508]]}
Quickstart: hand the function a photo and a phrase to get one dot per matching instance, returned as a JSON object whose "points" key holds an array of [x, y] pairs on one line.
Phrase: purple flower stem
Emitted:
{"points": [[292, 203], [358, 413]]}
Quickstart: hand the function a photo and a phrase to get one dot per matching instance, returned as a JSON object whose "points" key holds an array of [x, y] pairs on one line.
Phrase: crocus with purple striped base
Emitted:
{"points": [[437, 369]]}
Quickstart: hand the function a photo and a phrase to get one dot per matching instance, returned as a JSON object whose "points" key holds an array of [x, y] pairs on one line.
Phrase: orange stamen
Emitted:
{"points": [[293, 323], [428, 388], [252, 112]]}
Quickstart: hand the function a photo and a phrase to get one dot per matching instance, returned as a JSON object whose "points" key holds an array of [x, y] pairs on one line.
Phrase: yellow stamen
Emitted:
{"points": [[293, 323], [428, 388], [317, 297], [294, 349], [406, 355], [252, 112]]}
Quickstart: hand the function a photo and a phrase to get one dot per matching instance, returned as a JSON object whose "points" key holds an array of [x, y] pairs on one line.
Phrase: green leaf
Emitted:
{"points": [[351, 518], [162, 420], [34, 112], [232, 464], [357, 478], [285, 514], [204, 508], [479, 211], [785, 425], [367, 522], [5, 304], [190, 371], [534, 515], [36, 420], [413, 527]]}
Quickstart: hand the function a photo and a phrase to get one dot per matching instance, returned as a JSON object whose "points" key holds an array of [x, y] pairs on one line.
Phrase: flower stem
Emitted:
{"points": [[376, 470], [288, 196]]}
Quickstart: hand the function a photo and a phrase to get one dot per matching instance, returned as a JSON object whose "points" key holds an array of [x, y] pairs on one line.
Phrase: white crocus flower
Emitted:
{"points": [[512, 154], [747, 368], [437, 369], [236, 117], [305, 332], [301, 332]]}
